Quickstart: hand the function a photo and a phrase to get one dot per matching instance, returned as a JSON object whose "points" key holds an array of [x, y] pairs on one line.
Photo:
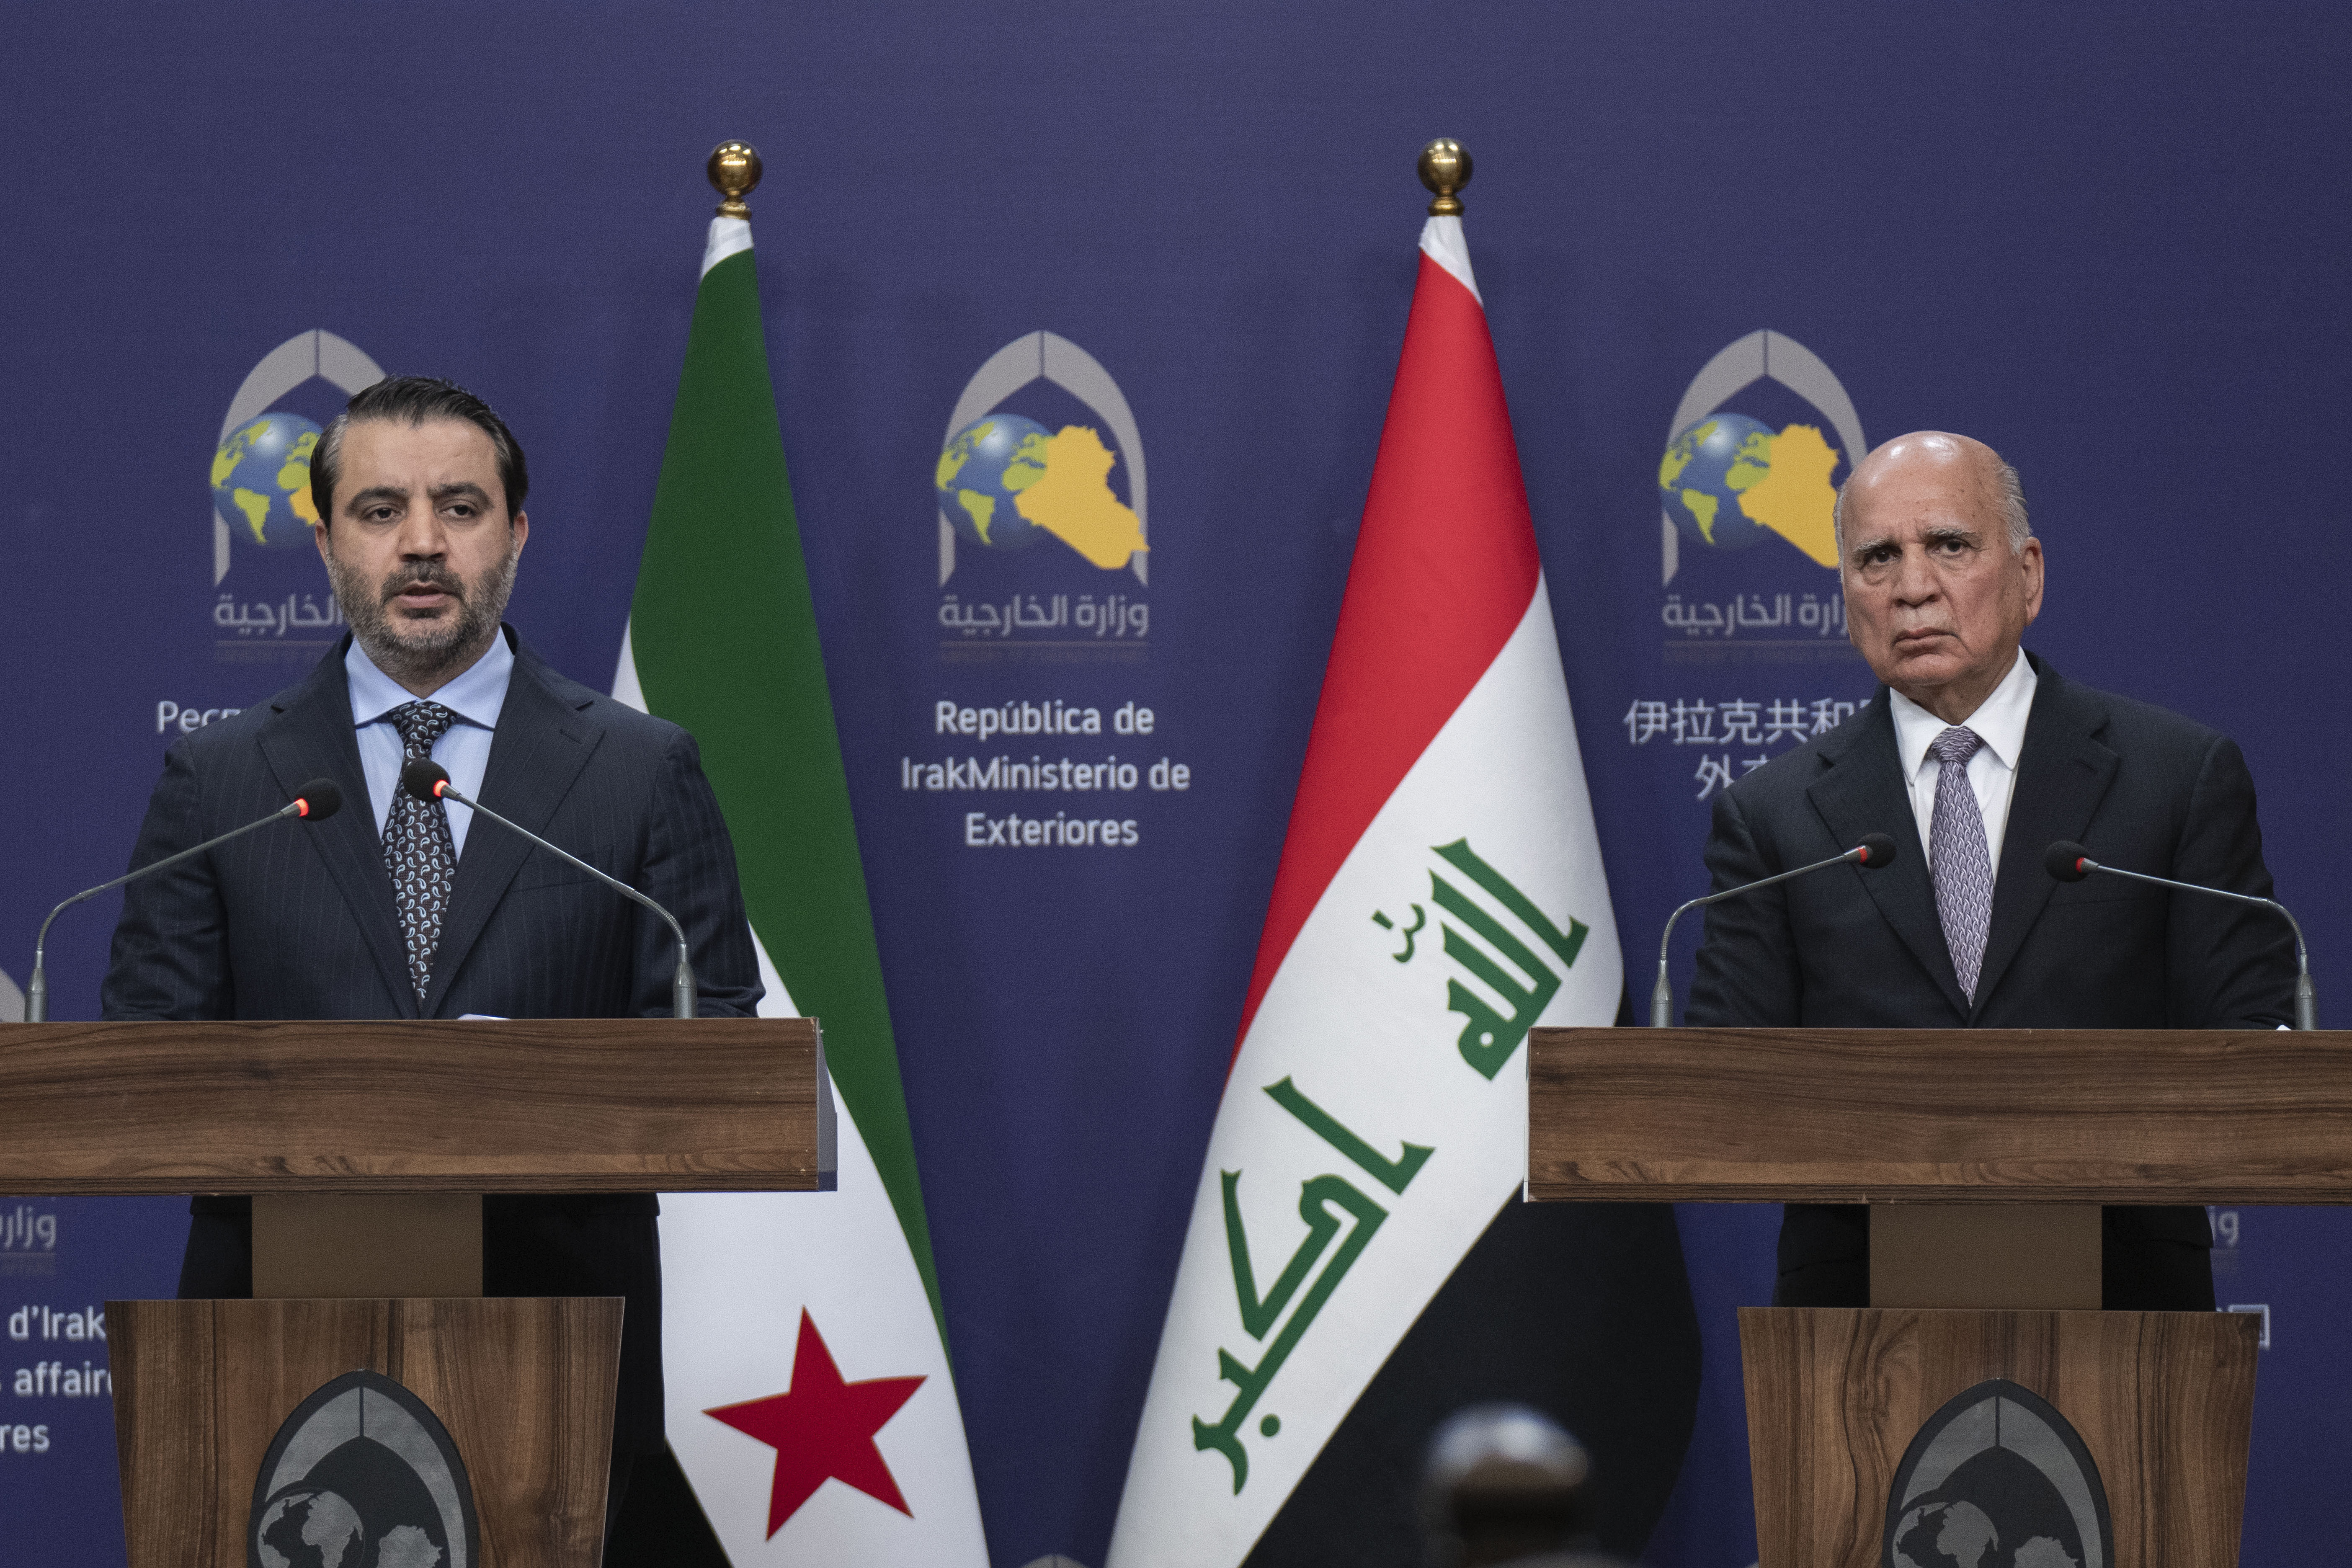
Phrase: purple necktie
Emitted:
{"points": [[1959, 858]]}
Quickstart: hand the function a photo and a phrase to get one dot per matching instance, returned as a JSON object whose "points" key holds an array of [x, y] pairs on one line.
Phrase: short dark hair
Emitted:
{"points": [[416, 399]]}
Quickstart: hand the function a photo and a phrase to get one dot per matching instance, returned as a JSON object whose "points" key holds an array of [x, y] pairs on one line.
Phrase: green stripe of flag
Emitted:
{"points": [[724, 637]]}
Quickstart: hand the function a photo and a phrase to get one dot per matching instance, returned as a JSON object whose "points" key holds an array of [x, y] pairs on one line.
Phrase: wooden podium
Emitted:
{"points": [[370, 1386], [1984, 1360]]}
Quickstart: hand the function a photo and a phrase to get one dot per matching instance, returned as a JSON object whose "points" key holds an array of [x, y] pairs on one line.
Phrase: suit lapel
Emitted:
{"points": [[2062, 774], [312, 736], [542, 742], [1862, 792]]}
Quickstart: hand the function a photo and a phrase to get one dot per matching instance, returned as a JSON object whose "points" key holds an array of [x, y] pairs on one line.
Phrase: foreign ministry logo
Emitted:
{"points": [[1729, 479], [1007, 482], [1998, 1477], [261, 470], [1041, 501], [1746, 493], [262, 513], [362, 1472]]}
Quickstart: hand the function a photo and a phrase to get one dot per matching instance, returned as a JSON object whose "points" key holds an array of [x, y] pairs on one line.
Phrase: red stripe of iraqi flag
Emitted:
{"points": [[1444, 567]]}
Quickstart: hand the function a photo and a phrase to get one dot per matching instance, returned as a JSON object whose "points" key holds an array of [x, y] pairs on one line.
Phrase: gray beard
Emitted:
{"points": [[417, 653]]}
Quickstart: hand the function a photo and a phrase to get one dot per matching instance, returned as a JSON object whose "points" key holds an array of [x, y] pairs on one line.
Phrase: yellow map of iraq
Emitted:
{"points": [[1781, 483], [1061, 483]]}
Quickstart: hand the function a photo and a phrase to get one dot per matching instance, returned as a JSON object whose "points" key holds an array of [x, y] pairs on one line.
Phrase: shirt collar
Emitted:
{"points": [[476, 696], [1999, 721]]}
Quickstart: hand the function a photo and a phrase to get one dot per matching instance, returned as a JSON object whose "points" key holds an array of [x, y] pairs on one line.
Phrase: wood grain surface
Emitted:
{"points": [[553, 1106], [2164, 1402], [525, 1386], [1949, 1115]]}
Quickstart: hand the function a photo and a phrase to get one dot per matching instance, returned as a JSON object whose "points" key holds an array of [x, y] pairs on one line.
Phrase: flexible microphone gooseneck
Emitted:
{"points": [[1876, 851], [2069, 862], [428, 780], [315, 802]]}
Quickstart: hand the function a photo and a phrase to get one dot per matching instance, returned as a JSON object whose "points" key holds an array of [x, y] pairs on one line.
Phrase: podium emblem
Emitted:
{"points": [[1998, 1477], [362, 1472]]}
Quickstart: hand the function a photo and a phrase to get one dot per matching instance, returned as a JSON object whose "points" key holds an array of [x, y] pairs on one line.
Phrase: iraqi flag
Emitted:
{"points": [[809, 1399], [1440, 893]]}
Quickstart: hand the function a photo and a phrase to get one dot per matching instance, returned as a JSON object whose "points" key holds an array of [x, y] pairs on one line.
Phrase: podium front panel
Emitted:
{"points": [[228, 1427]]}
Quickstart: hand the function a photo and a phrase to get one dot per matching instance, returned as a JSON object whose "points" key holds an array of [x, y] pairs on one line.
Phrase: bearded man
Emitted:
{"points": [[401, 910]]}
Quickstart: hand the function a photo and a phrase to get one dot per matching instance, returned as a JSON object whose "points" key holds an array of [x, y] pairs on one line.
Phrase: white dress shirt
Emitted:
{"points": [[1999, 722], [476, 696]]}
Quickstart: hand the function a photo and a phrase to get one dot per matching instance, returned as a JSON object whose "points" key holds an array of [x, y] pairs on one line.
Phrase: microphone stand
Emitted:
{"points": [[684, 998], [2307, 1000], [1874, 851], [37, 988]]}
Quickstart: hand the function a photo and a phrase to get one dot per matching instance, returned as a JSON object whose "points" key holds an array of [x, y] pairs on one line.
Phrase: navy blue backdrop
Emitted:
{"points": [[2110, 240]]}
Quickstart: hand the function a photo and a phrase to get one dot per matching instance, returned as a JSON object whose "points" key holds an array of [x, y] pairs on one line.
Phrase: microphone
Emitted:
{"points": [[2069, 862], [314, 801], [1876, 851], [428, 780]]}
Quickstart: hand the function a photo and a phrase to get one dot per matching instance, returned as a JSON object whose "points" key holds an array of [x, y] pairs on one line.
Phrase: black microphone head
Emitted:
{"points": [[1877, 851], [2065, 860], [319, 799], [422, 777]]}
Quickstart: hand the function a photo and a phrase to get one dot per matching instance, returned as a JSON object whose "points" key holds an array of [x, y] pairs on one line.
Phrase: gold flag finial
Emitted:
{"points": [[734, 171], [1445, 169]]}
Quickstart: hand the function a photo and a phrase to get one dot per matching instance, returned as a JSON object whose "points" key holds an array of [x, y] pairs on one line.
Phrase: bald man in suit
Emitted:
{"points": [[1976, 755]]}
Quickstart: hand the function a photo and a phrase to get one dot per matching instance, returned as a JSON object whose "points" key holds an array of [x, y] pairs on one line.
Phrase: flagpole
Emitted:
{"points": [[1441, 764], [773, 1426]]}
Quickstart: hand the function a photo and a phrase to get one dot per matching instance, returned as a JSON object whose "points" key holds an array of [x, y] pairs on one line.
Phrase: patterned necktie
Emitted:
{"points": [[1958, 857], [417, 848]]}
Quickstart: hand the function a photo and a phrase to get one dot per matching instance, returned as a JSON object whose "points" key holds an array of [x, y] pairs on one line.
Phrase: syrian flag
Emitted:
{"points": [[1440, 893], [810, 1401]]}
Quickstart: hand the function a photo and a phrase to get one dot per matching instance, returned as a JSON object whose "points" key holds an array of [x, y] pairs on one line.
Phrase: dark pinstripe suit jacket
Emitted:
{"points": [[297, 921]]}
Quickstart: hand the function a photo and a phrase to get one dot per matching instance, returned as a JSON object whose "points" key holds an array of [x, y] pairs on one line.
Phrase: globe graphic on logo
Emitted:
{"points": [[1704, 473], [310, 1527], [981, 473], [1994, 1510], [261, 481], [363, 1504]]}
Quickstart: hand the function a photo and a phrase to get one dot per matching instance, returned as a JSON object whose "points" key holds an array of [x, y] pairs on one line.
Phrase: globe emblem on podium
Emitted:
{"points": [[261, 481], [311, 1527], [1996, 1511], [362, 1503], [982, 470], [363, 1475], [1998, 1478]]}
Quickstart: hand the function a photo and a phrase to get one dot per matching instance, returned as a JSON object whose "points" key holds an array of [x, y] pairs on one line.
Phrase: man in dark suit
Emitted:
{"points": [[398, 908], [1984, 754]]}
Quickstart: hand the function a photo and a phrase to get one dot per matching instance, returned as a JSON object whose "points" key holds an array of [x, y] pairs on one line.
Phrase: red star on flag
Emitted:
{"points": [[823, 1429]]}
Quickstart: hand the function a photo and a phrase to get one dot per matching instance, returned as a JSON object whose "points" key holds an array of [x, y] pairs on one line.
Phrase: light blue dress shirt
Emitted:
{"points": [[475, 697]]}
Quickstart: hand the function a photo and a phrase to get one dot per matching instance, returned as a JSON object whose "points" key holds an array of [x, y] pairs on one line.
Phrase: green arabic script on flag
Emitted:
{"points": [[1333, 1207]]}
